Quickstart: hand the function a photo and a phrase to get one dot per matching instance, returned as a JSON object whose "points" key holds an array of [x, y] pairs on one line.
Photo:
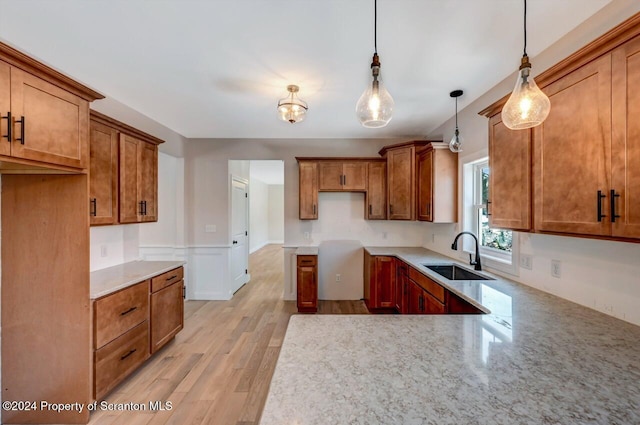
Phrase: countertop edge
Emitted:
{"points": [[130, 282]]}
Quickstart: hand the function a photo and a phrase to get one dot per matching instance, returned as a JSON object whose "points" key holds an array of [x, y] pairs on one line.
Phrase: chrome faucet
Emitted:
{"points": [[477, 263]]}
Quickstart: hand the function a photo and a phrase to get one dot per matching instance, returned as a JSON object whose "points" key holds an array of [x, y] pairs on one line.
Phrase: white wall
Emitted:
{"points": [[599, 274], [276, 213], [258, 220]]}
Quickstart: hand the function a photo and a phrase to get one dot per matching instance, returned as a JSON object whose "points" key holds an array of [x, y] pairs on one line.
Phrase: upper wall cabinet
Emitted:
{"points": [[376, 198], [401, 182], [123, 173], [45, 115], [437, 184], [509, 203], [342, 176], [308, 185], [586, 155]]}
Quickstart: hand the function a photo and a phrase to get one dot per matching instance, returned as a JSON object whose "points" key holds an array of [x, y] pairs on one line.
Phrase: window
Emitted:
{"points": [[497, 246]]}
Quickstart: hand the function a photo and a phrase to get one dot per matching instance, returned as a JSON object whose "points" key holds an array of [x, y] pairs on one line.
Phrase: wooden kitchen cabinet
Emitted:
{"points": [[376, 196], [342, 176], [103, 174], [45, 115], [380, 282], [509, 203], [437, 184], [167, 308], [308, 190], [402, 287], [307, 283], [138, 180], [401, 183]]}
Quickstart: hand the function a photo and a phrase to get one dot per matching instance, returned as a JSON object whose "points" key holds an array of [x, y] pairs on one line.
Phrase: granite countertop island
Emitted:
{"points": [[105, 281], [534, 359]]}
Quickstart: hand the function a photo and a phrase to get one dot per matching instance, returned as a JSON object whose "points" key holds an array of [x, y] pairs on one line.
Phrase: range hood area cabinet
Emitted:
{"points": [[412, 180], [584, 160], [123, 173]]}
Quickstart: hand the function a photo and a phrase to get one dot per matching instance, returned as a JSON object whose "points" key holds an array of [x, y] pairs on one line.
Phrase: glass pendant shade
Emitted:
{"points": [[291, 109], [527, 106], [455, 145], [375, 107]]}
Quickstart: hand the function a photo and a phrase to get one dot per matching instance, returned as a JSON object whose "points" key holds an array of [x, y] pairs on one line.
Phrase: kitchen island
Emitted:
{"points": [[534, 359]]}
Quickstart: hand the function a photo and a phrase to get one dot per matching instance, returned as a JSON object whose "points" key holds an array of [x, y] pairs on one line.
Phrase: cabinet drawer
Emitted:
{"points": [[117, 313], [427, 284], [307, 260], [166, 279], [119, 358]]}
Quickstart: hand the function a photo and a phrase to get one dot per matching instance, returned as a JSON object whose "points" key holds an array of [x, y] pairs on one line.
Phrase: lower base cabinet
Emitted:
{"points": [[133, 323], [380, 283], [307, 277]]}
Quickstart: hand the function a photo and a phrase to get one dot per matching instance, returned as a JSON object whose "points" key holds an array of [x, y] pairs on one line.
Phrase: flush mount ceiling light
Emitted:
{"points": [[375, 106], [291, 109], [455, 145], [528, 106]]}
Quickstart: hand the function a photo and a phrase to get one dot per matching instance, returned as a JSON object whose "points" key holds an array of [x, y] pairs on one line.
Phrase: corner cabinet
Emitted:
{"points": [[124, 173], [509, 203], [437, 184]]}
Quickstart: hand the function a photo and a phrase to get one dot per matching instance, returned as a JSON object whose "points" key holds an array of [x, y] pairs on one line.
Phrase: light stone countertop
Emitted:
{"points": [[535, 359], [112, 279], [307, 250]]}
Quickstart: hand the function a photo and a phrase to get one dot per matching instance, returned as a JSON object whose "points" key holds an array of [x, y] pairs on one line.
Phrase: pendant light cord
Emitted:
{"points": [[375, 26], [456, 112], [525, 28]]}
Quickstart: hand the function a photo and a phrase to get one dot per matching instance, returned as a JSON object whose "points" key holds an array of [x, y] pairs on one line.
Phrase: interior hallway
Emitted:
{"points": [[218, 369]]}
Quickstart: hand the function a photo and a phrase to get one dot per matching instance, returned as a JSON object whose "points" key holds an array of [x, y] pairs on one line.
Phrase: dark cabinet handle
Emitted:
{"points": [[390, 208], [600, 197], [314, 209], [344, 180], [370, 209], [488, 203], [428, 209], [124, 313], [306, 261], [421, 303], [141, 210], [613, 205], [128, 354], [94, 207], [9, 125], [23, 124], [145, 207], [172, 277]]}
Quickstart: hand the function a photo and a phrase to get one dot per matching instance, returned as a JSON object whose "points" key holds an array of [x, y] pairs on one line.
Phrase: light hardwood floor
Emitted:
{"points": [[218, 369]]}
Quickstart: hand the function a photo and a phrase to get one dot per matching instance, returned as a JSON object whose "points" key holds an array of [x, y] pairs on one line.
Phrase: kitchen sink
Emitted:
{"points": [[454, 272]]}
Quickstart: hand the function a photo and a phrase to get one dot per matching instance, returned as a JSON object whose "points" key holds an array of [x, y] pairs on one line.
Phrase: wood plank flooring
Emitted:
{"points": [[218, 369]]}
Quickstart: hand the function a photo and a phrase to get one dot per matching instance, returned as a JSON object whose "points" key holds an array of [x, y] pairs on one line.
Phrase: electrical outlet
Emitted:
{"points": [[103, 250], [556, 268], [338, 277], [526, 261], [306, 235], [384, 235], [433, 238], [210, 228]]}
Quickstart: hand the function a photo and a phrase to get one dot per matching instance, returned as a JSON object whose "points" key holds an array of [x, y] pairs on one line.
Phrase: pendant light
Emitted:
{"points": [[528, 106], [375, 106], [291, 109], [455, 145]]}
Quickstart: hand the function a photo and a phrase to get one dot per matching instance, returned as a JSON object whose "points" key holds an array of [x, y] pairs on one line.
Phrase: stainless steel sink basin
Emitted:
{"points": [[454, 272]]}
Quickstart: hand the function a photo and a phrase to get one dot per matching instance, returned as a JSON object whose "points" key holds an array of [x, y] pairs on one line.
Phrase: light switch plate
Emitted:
{"points": [[526, 261]]}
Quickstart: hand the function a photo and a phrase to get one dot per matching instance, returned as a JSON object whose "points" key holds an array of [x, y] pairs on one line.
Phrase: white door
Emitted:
{"points": [[239, 234]]}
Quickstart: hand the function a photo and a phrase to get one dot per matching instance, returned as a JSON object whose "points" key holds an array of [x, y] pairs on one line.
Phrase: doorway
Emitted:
{"points": [[266, 203], [239, 233]]}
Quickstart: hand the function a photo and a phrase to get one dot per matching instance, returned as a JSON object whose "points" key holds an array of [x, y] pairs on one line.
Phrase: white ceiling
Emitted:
{"points": [[267, 171], [216, 68]]}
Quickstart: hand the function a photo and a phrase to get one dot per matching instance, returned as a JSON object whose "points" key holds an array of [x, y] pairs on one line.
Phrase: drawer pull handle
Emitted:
{"points": [[306, 261], [124, 313], [128, 354], [172, 277]]}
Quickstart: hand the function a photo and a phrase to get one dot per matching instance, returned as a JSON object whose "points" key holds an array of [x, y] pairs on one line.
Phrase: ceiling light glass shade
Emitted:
{"points": [[528, 106], [291, 109], [375, 107], [455, 145]]}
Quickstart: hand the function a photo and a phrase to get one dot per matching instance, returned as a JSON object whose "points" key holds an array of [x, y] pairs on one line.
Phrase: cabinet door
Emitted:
{"points": [[425, 186], [5, 107], [149, 181], [330, 175], [376, 203], [385, 279], [354, 176], [308, 186], [509, 176], [55, 123], [167, 315], [130, 208], [307, 285], [431, 305], [402, 280], [572, 153], [625, 160], [400, 174], [415, 298], [103, 174]]}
